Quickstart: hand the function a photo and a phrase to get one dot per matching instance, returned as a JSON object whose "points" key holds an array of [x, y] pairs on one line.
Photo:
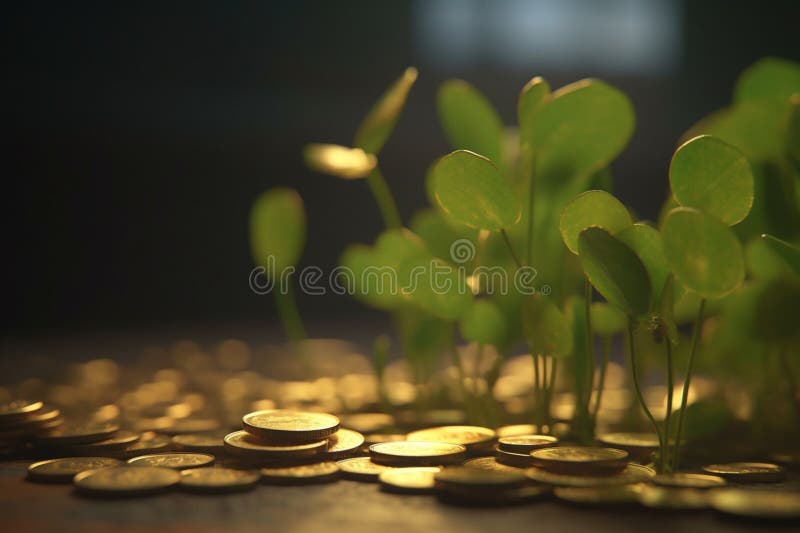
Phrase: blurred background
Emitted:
{"points": [[139, 134]]}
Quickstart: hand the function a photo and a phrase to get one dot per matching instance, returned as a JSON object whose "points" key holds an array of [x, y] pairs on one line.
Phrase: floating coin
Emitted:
{"points": [[198, 442], [688, 481], [244, 444], [476, 478], [302, 474], [600, 496], [218, 480], [71, 433], [517, 460], [412, 480], [178, 461], [675, 499], [191, 425], [581, 460], [368, 422], [525, 443], [489, 463], [148, 443], [126, 480], [16, 409], [343, 443], [417, 453], [633, 473], [361, 469], [516, 430], [472, 437], [295, 427], [63, 470], [118, 441], [762, 504], [454, 495], [747, 472]]}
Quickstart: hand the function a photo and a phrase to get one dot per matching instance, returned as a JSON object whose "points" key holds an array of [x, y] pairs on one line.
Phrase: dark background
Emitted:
{"points": [[139, 133]]}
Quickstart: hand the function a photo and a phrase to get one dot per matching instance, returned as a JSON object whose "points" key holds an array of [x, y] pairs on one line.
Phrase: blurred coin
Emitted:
{"points": [[516, 430], [290, 427], [126, 480], [640, 445], [517, 460], [63, 470], [176, 460], [674, 499], [489, 463], [600, 496], [74, 432], [119, 441], [747, 472], [191, 425], [361, 469], [18, 409], [411, 480], [475, 478], [581, 460], [343, 443], [789, 459], [525, 443], [454, 495], [472, 437], [368, 422], [244, 444], [198, 442], [688, 481], [762, 504], [45, 417], [417, 453], [302, 474], [633, 473], [216, 480], [148, 443]]}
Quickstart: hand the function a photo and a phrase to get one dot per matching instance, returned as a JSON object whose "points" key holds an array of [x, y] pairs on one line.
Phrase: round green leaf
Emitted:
{"points": [[770, 78], [713, 176], [377, 126], [615, 271], [470, 190], [607, 319], [339, 161], [592, 208], [484, 323], [703, 252], [546, 330], [435, 286], [277, 229], [646, 243], [469, 120], [438, 234], [535, 94]]}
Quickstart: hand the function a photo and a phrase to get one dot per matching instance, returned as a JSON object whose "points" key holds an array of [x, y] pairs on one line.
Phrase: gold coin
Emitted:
{"points": [[747, 472], [178, 461], [343, 443], [472, 437], [244, 444], [516, 430], [790, 459], [417, 453], [191, 425], [70, 433], [674, 498], [63, 470], [17, 409], [525, 443], [126, 480], [630, 440], [412, 480], [44, 418], [601, 496], [476, 478], [688, 481], [489, 463], [119, 441], [198, 442], [290, 427], [633, 473], [581, 460], [218, 480], [368, 422], [763, 504], [361, 468], [148, 443], [455, 495], [517, 460], [302, 474]]}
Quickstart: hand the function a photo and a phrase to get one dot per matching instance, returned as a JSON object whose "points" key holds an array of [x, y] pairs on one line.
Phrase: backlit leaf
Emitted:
{"points": [[377, 126], [277, 229], [469, 120], [592, 208]]}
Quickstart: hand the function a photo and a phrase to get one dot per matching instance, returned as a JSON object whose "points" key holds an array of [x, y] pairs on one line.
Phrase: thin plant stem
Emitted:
{"points": [[549, 390], [787, 371], [289, 316], [478, 363], [601, 382], [462, 375], [511, 248], [665, 455], [698, 324], [384, 199], [529, 249], [536, 388], [636, 386], [587, 295]]}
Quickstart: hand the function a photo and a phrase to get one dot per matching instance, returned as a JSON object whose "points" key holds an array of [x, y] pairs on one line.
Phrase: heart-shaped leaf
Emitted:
{"points": [[703, 252], [277, 229], [469, 120], [484, 323], [379, 123], [470, 190], [615, 271], [646, 243], [546, 330], [340, 161], [713, 176], [592, 208]]}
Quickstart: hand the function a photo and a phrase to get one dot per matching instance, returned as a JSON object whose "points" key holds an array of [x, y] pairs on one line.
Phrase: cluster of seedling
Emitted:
{"points": [[539, 195]]}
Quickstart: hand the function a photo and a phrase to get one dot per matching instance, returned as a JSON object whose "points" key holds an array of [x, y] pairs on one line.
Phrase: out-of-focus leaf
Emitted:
{"points": [[484, 323], [646, 243], [770, 78], [592, 208], [377, 126], [277, 229], [545, 327], [440, 236], [435, 287], [788, 252], [340, 161], [607, 319], [469, 120], [777, 311]]}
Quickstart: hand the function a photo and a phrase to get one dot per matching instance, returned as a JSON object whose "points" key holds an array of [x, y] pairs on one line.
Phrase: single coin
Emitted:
{"points": [[476, 478], [633, 473], [489, 463], [762, 504], [361, 469], [581, 460], [119, 441], [191, 425], [17, 409], [368, 422], [630, 440], [675, 499], [216, 480], [688, 481], [516, 430], [198, 442], [517, 460], [126, 480], [290, 427], [244, 444], [472, 437], [417, 453], [302, 474], [178, 461], [455, 495], [600, 496], [747, 472], [412, 480], [63, 470], [148, 443], [343, 443], [525, 443], [70, 433]]}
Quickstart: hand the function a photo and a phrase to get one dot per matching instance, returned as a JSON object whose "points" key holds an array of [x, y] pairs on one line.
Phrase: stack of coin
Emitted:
{"points": [[516, 451], [85, 437], [23, 421], [584, 466]]}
